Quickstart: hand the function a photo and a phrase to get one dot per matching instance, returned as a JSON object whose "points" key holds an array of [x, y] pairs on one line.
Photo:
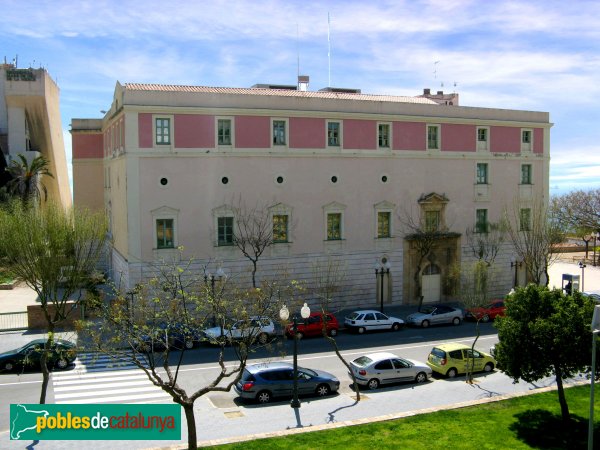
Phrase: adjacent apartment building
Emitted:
{"points": [[346, 178], [30, 124]]}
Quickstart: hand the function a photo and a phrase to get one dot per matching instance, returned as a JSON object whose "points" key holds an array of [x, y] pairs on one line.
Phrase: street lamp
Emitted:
{"points": [[595, 332], [516, 264], [284, 314], [582, 266], [381, 269], [219, 274], [595, 235]]}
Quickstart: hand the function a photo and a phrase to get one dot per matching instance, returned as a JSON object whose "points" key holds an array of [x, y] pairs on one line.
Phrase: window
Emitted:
{"points": [[334, 226], [525, 219], [433, 137], [163, 131], [280, 227], [432, 221], [526, 136], [481, 221], [384, 135], [482, 173], [384, 229], [526, 174], [333, 134], [279, 135], [224, 132], [164, 233], [482, 134], [224, 231]]}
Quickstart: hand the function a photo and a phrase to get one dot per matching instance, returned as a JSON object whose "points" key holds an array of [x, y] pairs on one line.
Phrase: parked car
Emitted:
{"points": [[436, 314], [263, 382], [62, 354], [375, 369], [177, 335], [369, 320], [262, 329], [452, 359], [313, 326], [594, 295], [487, 313]]}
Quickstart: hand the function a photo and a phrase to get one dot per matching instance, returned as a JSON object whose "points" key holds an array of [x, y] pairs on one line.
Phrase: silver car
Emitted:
{"points": [[382, 368], [434, 315], [261, 329], [369, 320]]}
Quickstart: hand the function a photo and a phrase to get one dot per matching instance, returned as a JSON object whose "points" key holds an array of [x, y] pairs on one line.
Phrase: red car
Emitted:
{"points": [[487, 313], [313, 326]]}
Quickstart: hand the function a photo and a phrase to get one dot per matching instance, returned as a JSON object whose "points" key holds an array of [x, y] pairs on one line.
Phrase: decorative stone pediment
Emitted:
{"points": [[433, 198]]}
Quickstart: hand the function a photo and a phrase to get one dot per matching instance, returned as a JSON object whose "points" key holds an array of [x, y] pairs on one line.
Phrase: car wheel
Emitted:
{"points": [[299, 335], [263, 338], [373, 384], [323, 390], [263, 397], [395, 326], [361, 330], [61, 364], [456, 321], [421, 377], [452, 373], [8, 366], [425, 323], [488, 367], [333, 332], [485, 318], [189, 344]]}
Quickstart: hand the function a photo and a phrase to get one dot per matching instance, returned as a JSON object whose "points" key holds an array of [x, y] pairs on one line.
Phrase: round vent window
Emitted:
{"points": [[224, 180], [164, 181], [280, 179], [384, 178], [334, 179]]}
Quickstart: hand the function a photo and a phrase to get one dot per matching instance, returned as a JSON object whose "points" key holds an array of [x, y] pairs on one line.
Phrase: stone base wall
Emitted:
{"points": [[36, 320]]}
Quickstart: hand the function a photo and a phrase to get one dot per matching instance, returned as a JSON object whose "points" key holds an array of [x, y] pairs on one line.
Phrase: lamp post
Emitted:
{"points": [[595, 235], [284, 314], [220, 274], [595, 332], [582, 266], [381, 269], [516, 264]]}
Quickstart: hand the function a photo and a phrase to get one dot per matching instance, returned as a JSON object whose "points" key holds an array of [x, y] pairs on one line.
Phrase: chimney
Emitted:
{"points": [[426, 91], [303, 82]]}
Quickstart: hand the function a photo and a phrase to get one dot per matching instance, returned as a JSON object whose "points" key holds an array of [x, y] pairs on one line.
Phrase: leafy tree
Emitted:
{"points": [[178, 300], [545, 333], [53, 251], [26, 178], [534, 231], [578, 209]]}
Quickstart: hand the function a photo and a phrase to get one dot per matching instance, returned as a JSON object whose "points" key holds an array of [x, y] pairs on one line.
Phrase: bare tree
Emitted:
{"points": [[54, 252], [328, 276], [253, 232], [578, 209], [533, 231], [169, 310]]}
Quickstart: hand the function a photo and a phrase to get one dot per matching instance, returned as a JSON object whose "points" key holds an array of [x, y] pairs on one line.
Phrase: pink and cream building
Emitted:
{"points": [[341, 173]]}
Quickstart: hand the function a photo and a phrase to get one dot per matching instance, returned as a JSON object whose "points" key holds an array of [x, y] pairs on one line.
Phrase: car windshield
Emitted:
{"points": [[427, 309], [354, 316], [363, 361], [439, 353]]}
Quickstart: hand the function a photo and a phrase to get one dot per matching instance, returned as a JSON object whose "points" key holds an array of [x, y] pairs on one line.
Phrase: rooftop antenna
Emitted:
{"points": [[435, 69], [329, 46], [298, 49], [455, 84]]}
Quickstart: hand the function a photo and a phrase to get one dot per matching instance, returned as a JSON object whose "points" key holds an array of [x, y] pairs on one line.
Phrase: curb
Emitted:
{"points": [[366, 420]]}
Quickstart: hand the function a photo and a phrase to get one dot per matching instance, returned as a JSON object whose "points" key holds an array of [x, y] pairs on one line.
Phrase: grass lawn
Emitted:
{"points": [[532, 421]]}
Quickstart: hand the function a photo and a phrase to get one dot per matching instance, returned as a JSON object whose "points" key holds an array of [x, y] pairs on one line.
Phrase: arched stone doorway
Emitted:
{"points": [[431, 282]]}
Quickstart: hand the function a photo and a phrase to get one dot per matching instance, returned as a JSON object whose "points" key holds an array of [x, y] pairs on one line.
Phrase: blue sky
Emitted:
{"points": [[533, 55]]}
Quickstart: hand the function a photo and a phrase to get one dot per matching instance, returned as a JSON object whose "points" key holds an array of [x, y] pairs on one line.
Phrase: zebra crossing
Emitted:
{"points": [[101, 379]]}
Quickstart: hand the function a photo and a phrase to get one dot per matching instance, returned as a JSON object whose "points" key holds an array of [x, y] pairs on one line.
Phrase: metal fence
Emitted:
{"points": [[12, 321]]}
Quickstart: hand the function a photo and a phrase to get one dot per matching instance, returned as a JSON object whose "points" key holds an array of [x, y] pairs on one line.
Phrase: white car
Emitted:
{"points": [[260, 329], [376, 369], [369, 320]]}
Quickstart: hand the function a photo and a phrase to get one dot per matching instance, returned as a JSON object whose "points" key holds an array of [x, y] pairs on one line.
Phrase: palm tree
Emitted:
{"points": [[25, 182]]}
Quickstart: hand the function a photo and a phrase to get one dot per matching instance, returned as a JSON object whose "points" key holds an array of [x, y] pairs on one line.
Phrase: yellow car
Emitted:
{"points": [[452, 359]]}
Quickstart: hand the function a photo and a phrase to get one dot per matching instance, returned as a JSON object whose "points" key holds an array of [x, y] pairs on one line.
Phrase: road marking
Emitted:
{"points": [[16, 383]]}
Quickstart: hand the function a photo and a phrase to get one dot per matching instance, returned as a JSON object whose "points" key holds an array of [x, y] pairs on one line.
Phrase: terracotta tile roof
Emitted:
{"points": [[276, 93]]}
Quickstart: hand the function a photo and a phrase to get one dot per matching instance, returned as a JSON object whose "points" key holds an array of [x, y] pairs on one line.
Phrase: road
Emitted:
{"points": [[222, 415]]}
